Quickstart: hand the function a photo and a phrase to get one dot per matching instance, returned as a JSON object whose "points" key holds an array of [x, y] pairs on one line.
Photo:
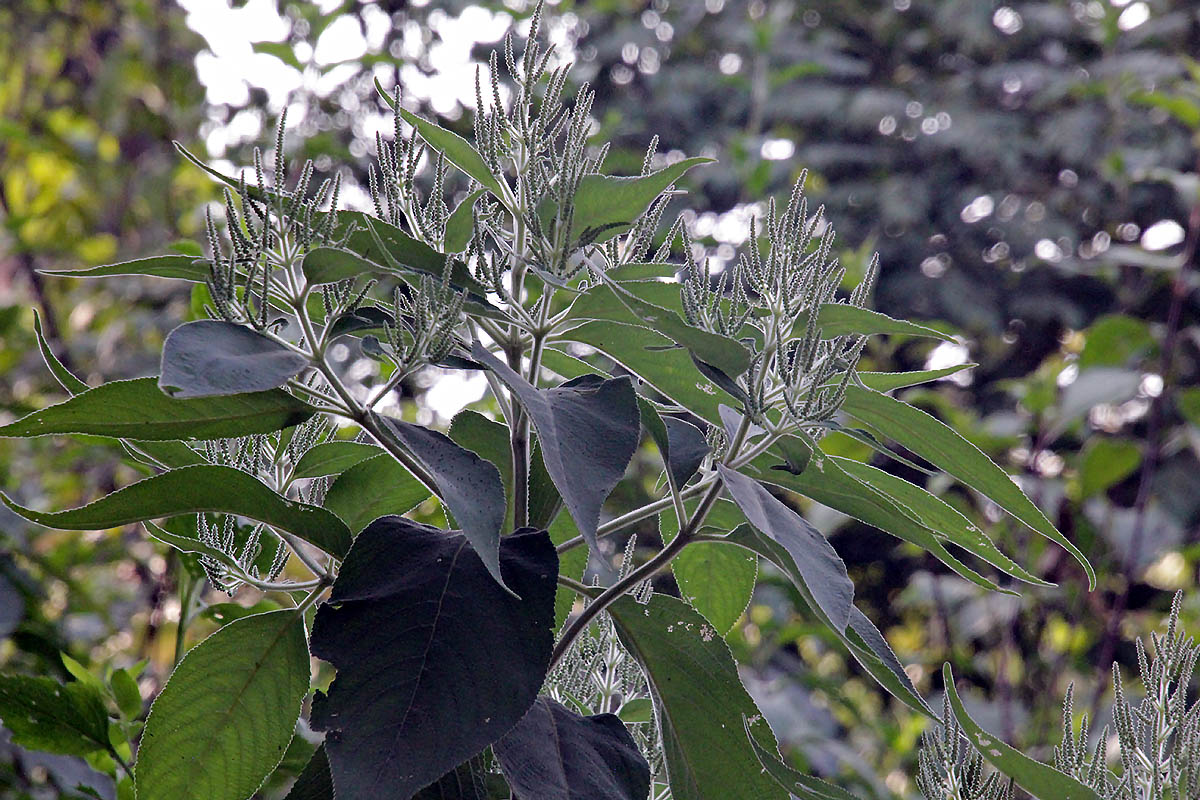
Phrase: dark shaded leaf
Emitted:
{"points": [[555, 754], [1040, 780], [469, 485], [224, 719], [314, 782], [371, 489], [588, 429], [688, 449], [43, 714], [704, 744], [137, 410], [435, 660], [468, 781], [207, 487], [817, 564], [364, 318], [214, 358]]}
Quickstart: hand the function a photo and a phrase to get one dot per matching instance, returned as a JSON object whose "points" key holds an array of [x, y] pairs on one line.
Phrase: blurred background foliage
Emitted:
{"points": [[1028, 173]]}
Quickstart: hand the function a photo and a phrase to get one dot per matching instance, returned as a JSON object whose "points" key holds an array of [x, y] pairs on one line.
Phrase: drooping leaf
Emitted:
{"points": [[887, 381], [314, 781], [1041, 781], [206, 487], [555, 754], [489, 440], [941, 445], [588, 429], [458, 150], [609, 204], [136, 409], [688, 449], [43, 714], [225, 717], [803, 787], [188, 268], [330, 458], [817, 564], [65, 378], [469, 485], [214, 358], [460, 223], [435, 660], [371, 489], [671, 371], [706, 751], [714, 578]]}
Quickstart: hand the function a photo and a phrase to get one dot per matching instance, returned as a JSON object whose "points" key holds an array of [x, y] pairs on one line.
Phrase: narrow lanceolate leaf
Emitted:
{"points": [[609, 204], [555, 754], [804, 787], [942, 446], [214, 358], [460, 224], [61, 374], [371, 489], [136, 409], [469, 485], [188, 268], [330, 458], [887, 381], [223, 721], [458, 150], [817, 563], [435, 660], [1041, 781], [43, 714], [842, 319], [588, 429], [206, 487], [704, 744]]}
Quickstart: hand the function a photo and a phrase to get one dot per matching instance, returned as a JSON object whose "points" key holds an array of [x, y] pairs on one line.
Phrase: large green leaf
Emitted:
{"points": [[435, 660], [716, 579], [699, 701], [330, 458], [43, 714], [606, 205], [225, 717], [588, 430], [650, 356], [188, 268], [373, 488], [942, 446], [136, 409], [1041, 781], [816, 564], [469, 486], [215, 358], [555, 754], [207, 487]]}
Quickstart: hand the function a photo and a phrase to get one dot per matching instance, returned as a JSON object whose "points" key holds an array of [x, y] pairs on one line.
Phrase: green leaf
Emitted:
{"points": [[226, 715], [841, 319], [458, 150], [1041, 781], [330, 458], [214, 358], [461, 223], [126, 692], [706, 751], [468, 485], [670, 371], [937, 515], [61, 374], [714, 578], [804, 787], [571, 563], [887, 381], [435, 661], [136, 409], [1105, 462], [588, 429], [207, 487], [488, 439], [43, 714], [373, 488], [939, 444], [816, 565], [332, 264], [608, 204], [188, 268], [555, 754]]}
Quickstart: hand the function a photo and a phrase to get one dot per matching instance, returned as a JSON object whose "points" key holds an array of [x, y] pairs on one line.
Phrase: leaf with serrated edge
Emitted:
{"points": [[371, 489], [43, 714], [462, 662], [225, 717], [207, 487]]}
